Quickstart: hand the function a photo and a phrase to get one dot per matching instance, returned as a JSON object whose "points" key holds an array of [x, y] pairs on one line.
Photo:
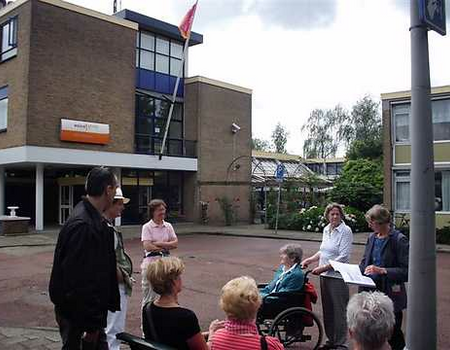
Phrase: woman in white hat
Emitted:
{"points": [[116, 320]]}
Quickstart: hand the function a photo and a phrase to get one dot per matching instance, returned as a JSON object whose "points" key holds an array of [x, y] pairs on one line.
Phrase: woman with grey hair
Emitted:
{"points": [[385, 261], [336, 245], [289, 276], [370, 319]]}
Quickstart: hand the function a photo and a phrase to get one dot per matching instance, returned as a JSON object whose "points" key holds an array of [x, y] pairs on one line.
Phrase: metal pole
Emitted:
{"points": [[174, 95], [422, 320], [278, 208]]}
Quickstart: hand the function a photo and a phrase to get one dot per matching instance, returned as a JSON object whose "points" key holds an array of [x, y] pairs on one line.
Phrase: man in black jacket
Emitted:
{"points": [[83, 283]]}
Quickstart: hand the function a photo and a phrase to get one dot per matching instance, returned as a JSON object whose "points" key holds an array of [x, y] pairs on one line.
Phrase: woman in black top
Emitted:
{"points": [[164, 320]]}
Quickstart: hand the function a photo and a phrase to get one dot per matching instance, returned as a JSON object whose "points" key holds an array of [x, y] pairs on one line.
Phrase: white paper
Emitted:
{"points": [[352, 274]]}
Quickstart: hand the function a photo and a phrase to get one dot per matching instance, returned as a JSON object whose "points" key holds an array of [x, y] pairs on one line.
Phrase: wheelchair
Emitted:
{"points": [[287, 319]]}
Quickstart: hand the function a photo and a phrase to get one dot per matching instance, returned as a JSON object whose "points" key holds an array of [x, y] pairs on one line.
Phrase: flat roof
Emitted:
{"points": [[407, 93], [222, 84], [74, 8], [326, 160], [275, 155], [159, 27]]}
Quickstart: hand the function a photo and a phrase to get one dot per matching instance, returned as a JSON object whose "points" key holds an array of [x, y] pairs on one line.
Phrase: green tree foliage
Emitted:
{"points": [[260, 145], [360, 185], [322, 132], [279, 138], [361, 130]]}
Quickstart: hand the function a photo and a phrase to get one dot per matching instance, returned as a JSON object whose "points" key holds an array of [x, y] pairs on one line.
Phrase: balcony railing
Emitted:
{"points": [[174, 147]]}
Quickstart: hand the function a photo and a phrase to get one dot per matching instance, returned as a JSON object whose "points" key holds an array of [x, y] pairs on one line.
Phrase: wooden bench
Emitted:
{"points": [[137, 343]]}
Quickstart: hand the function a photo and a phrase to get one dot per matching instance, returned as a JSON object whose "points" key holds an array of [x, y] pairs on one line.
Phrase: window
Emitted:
{"points": [[158, 54], [151, 117], [441, 121], [3, 108], [8, 31], [442, 191], [401, 120]]}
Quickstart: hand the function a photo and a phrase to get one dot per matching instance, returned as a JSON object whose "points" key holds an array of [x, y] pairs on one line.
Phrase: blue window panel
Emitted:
{"points": [[3, 92], [146, 79], [180, 91], [162, 83]]}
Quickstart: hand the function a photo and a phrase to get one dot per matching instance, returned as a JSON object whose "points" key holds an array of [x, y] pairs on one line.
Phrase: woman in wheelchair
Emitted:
{"points": [[289, 276], [164, 320]]}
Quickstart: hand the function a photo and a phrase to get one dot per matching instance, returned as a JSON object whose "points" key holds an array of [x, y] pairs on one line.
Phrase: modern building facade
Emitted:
{"points": [[80, 89], [397, 151], [328, 168]]}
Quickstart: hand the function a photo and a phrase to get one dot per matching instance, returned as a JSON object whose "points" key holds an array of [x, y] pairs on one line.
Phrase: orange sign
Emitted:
{"points": [[84, 132]]}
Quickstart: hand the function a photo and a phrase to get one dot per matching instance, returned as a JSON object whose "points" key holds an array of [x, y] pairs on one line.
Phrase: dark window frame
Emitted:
{"points": [[12, 37], [155, 52]]}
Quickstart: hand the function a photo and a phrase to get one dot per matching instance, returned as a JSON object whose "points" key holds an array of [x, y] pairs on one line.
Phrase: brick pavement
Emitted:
{"points": [[29, 338]]}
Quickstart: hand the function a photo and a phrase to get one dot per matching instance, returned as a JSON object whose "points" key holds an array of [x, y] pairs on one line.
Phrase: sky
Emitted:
{"points": [[299, 55]]}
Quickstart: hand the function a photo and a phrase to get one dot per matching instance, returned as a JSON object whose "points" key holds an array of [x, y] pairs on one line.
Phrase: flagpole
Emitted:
{"points": [[175, 90]]}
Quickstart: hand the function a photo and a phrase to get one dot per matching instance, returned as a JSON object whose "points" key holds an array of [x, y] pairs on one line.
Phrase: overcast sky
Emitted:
{"points": [[298, 55]]}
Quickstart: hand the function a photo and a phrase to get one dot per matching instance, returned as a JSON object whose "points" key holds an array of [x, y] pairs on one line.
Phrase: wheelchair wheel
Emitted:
{"points": [[296, 326]]}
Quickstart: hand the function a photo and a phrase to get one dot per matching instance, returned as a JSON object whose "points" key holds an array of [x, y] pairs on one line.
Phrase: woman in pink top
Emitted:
{"points": [[241, 300], [158, 238]]}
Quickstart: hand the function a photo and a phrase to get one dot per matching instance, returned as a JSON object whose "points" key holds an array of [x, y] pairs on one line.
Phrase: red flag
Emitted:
{"points": [[186, 23]]}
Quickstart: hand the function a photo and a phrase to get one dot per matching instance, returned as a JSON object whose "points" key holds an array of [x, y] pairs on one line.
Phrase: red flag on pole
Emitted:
{"points": [[186, 23]]}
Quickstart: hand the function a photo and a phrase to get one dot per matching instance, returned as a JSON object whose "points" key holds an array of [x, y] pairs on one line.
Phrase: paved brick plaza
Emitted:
{"points": [[210, 260]]}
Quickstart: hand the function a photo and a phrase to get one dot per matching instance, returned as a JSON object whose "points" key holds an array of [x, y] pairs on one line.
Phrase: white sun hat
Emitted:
{"points": [[119, 195]]}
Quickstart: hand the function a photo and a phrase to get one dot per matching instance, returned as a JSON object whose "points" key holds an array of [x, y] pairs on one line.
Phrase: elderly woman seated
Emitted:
{"points": [[164, 320], [289, 276], [370, 320], [240, 300]]}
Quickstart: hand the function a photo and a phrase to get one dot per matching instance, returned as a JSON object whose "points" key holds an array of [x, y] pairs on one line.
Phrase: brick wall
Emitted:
{"points": [[82, 68], [387, 154], [14, 73], [217, 107]]}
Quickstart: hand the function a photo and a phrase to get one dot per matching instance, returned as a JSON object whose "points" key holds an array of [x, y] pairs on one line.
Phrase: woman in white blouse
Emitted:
{"points": [[336, 245]]}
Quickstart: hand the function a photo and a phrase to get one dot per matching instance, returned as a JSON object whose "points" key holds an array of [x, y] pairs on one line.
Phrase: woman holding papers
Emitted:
{"points": [[336, 245], [385, 260]]}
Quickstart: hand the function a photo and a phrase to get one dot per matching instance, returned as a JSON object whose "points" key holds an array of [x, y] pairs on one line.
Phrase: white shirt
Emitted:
{"points": [[336, 245]]}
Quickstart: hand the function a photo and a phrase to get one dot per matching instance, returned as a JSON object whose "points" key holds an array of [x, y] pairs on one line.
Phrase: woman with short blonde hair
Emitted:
{"points": [[164, 320], [240, 300]]}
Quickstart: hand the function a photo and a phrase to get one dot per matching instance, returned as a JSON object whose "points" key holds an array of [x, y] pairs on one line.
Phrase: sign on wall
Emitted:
{"points": [[84, 132]]}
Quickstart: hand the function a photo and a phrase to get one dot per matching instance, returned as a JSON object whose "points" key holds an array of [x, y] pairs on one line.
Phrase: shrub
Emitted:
{"points": [[443, 235], [228, 210], [313, 220]]}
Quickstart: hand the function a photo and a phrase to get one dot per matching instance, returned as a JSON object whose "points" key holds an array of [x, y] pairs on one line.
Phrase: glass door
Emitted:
{"points": [[65, 202]]}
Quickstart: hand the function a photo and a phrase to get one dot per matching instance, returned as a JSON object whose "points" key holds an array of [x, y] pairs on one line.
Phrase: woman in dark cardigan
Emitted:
{"points": [[385, 260]]}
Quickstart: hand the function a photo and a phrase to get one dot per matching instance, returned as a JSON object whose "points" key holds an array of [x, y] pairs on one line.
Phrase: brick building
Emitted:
{"points": [[80, 88], [397, 152]]}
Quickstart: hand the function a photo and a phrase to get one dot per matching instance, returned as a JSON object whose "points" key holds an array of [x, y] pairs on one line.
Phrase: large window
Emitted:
{"points": [[151, 118], [158, 54], [3, 108], [441, 121], [403, 191], [8, 37]]}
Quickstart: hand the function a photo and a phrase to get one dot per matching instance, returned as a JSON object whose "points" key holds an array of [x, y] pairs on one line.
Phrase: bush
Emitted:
{"points": [[313, 220], [228, 210], [443, 235]]}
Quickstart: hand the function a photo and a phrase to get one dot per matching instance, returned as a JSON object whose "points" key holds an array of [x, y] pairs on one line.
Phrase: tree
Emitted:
{"points": [[279, 138], [322, 128], [260, 145], [360, 184], [362, 130]]}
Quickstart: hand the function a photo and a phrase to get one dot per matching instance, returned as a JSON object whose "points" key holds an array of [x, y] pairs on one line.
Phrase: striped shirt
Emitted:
{"points": [[336, 245], [239, 335]]}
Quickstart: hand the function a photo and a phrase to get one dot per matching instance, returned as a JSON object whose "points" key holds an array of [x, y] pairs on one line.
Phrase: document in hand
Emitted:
{"points": [[351, 274]]}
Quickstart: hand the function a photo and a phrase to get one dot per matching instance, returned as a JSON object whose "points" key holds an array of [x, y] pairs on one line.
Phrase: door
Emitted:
{"points": [[65, 202]]}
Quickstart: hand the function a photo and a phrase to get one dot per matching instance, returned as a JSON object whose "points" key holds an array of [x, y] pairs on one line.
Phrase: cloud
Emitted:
{"points": [[296, 14], [286, 14]]}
